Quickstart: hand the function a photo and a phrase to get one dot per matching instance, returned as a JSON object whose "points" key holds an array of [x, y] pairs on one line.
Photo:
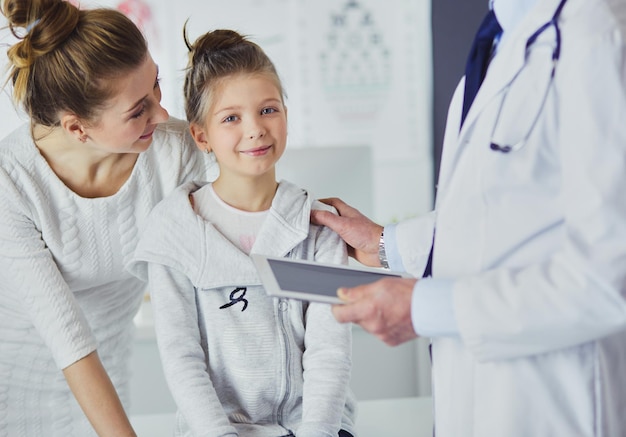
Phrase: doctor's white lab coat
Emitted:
{"points": [[535, 239]]}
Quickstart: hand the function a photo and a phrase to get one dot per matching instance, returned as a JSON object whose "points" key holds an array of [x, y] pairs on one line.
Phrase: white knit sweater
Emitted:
{"points": [[63, 289]]}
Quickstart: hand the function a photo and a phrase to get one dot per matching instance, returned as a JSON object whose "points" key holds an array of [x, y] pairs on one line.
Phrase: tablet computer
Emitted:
{"points": [[313, 281]]}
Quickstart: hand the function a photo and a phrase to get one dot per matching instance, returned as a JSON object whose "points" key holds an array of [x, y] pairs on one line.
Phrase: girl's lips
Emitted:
{"points": [[257, 151]]}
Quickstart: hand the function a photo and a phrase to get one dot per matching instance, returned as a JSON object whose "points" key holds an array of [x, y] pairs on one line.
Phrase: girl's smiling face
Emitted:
{"points": [[246, 126]]}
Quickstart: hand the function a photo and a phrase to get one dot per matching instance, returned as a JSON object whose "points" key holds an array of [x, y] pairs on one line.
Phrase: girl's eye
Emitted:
{"points": [[157, 83], [266, 111], [230, 119], [139, 113]]}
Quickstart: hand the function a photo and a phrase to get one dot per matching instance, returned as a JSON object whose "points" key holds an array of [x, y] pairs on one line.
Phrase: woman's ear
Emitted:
{"points": [[74, 126]]}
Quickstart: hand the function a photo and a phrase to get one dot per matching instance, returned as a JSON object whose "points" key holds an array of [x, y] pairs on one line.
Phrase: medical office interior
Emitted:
{"points": [[368, 84]]}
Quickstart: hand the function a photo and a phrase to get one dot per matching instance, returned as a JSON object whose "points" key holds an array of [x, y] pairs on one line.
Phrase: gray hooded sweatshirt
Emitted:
{"points": [[237, 361]]}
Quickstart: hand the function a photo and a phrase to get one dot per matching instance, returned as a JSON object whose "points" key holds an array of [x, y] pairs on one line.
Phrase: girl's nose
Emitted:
{"points": [[255, 129]]}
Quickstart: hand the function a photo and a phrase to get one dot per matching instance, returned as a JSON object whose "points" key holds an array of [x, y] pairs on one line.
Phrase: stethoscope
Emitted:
{"points": [[534, 98]]}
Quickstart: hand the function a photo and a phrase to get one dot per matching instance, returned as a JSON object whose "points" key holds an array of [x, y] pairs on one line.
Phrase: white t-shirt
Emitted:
{"points": [[238, 226]]}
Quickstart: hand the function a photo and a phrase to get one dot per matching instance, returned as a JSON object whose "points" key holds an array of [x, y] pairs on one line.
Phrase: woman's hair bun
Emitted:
{"points": [[66, 58], [40, 25]]}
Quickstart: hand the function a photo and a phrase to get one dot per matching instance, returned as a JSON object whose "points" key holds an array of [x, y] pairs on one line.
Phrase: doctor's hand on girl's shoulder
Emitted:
{"points": [[382, 308], [359, 232]]}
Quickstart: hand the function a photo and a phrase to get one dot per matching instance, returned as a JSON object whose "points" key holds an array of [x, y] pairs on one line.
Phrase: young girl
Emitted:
{"points": [[237, 361]]}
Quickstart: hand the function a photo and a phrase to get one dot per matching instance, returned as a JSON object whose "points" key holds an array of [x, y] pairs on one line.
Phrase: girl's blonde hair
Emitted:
{"points": [[217, 55], [67, 59]]}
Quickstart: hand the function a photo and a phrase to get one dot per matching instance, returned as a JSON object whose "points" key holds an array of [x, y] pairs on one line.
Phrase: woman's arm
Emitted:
{"points": [[97, 397]]}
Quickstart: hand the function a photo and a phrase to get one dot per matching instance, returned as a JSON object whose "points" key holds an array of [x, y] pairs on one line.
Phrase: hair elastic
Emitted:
{"points": [[32, 24]]}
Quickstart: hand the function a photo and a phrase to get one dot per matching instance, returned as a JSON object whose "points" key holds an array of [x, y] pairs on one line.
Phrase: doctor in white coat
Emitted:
{"points": [[526, 305]]}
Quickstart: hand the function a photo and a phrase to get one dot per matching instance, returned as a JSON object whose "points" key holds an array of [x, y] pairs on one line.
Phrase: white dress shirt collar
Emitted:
{"points": [[511, 12]]}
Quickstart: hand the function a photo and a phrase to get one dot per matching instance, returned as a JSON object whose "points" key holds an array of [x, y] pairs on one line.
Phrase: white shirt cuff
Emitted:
{"points": [[391, 249], [432, 308]]}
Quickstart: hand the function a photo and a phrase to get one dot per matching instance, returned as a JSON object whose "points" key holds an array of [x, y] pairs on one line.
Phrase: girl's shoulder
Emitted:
{"points": [[172, 135], [175, 206], [173, 126], [321, 206], [173, 156], [290, 192], [170, 235]]}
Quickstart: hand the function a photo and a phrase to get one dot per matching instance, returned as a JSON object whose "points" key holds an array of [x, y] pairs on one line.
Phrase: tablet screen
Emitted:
{"points": [[308, 278]]}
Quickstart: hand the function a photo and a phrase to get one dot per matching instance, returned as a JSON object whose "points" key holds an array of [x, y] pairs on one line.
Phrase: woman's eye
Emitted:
{"points": [[139, 113], [266, 111]]}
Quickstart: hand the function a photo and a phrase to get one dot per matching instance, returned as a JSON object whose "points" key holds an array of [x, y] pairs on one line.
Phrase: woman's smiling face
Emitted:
{"points": [[130, 117]]}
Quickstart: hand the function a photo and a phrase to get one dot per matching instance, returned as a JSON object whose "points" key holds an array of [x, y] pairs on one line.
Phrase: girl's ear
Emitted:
{"points": [[200, 137]]}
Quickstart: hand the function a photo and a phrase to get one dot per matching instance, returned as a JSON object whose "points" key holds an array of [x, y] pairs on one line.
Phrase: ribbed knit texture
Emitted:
{"points": [[63, 289]]}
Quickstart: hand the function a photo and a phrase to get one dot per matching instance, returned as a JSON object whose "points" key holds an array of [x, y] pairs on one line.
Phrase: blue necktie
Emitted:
{"points": [[478, 59]]}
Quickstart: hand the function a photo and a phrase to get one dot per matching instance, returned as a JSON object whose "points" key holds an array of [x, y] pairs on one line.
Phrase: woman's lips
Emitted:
{"points": [[147, 136]]}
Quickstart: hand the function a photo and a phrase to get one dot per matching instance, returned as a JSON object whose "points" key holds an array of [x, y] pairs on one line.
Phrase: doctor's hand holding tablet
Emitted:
{"points": [[379, 306], [341, 285]]}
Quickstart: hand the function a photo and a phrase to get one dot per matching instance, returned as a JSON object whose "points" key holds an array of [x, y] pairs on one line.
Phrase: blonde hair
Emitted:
{"points": [[215, 56], [67, 59]]}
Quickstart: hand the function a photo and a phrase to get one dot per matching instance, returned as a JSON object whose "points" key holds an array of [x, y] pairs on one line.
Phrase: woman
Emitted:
{"points": [[75, 187]]}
